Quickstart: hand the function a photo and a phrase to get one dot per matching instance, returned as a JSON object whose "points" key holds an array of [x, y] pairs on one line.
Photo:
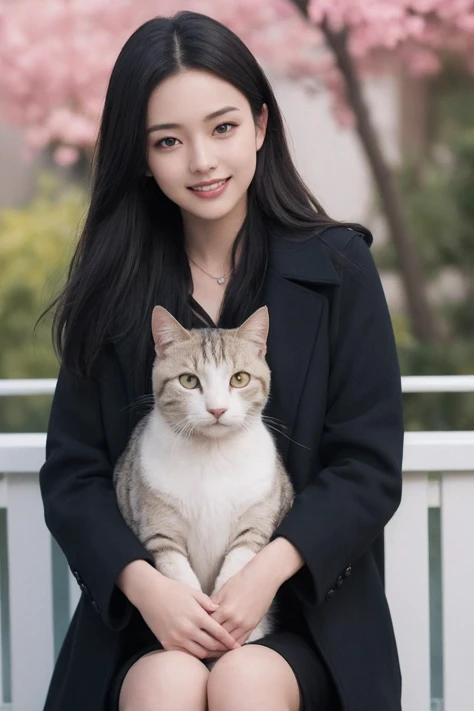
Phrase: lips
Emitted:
{"points": [[209, 186]]}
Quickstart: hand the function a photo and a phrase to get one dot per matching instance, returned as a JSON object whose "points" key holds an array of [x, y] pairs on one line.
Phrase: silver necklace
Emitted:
{"points": [[220, 280]]}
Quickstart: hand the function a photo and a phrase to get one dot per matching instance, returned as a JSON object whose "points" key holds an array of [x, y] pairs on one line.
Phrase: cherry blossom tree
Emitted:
{"points": [[363, 36], [56, 57]]}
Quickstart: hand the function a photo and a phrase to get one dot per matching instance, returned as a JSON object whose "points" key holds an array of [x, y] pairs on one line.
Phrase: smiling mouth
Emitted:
{"points": [[209, 188]]}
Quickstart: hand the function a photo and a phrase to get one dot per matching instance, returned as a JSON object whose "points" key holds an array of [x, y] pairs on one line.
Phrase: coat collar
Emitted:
{"points": [[301, 257]]}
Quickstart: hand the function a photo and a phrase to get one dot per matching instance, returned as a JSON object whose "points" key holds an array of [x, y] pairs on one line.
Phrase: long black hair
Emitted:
{"points": [[130, 254]]}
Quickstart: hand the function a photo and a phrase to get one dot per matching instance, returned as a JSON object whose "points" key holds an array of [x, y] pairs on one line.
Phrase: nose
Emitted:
{"points": [[218, 413], [202, 161]]}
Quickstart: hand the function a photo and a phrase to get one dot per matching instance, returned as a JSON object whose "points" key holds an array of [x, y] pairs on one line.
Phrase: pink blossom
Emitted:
{"points": [[66, 155], [56, 56]]}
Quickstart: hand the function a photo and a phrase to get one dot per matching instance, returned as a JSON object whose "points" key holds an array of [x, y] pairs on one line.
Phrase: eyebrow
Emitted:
{"points": [[215, 114]]}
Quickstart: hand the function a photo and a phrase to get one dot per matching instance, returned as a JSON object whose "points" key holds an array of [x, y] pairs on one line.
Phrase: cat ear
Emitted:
{"points": [[255, 329], [166, 329]]}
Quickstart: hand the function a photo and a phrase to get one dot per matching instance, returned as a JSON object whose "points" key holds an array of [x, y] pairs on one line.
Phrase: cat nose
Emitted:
{"points": [[218, 413]]}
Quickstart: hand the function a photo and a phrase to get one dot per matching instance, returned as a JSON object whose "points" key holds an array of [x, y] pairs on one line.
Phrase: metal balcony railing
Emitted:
{"points": [[429, 564]]}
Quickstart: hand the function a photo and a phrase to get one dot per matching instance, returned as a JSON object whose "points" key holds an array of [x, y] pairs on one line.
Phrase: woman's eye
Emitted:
{"points": [[190, 382], [240, 380], [226, 124], [161, 144]]}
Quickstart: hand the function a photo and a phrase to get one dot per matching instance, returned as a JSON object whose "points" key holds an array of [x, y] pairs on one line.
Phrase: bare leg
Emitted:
{"points": [[253, 678], [165, 681]]}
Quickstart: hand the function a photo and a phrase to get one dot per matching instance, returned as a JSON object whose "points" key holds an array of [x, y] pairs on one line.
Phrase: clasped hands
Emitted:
{"points": [[243, 602]]}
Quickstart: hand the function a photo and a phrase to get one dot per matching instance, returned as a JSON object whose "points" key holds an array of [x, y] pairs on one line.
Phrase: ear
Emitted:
{"points": [[261, 127], [166, 329], [255, 329]]}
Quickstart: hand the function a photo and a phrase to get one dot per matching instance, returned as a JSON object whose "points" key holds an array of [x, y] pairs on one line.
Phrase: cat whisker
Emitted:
{"points": [[272, 427], [274, 420], [136, 406], [140, 402], [145, 397], [279, 428], [191, 428], [186, 430], [245, 428], [179, 432], [180, 426]]}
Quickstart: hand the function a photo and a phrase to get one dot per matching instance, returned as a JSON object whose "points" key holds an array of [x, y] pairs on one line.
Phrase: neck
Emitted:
{"points": [[209, 242]]}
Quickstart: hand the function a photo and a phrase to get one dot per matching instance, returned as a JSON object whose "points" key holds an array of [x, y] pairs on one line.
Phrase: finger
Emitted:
{"points": [[237, 634], [240, 635], [229, 625], [195, 649], [219, 615], [208, 642], [223, 619], [217, 631], [206, 602]]}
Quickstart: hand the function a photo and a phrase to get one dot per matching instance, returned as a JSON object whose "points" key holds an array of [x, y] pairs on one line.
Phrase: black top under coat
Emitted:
{"points": [[198, 322]]}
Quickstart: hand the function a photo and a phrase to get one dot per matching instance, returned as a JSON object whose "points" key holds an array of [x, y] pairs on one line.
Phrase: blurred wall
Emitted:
{"points": [[17, 177], [328, 156]]}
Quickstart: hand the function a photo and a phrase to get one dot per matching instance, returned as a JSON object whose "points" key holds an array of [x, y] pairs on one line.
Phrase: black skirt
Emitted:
{"points": [[317, 688]]}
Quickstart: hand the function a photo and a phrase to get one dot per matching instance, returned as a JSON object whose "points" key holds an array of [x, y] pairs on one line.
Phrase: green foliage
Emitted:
{"points": [[36, 246], [438, 411], [438, 194]]}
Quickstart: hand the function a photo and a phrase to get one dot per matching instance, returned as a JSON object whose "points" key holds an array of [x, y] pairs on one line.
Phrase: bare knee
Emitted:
{"points": [[165, 681], [252, 677]]}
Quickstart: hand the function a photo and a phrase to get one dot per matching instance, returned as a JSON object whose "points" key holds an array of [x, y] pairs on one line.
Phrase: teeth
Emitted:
{"points": [[206, 188]]}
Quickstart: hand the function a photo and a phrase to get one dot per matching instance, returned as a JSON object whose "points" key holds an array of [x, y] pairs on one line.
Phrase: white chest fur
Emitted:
{"points": [[210, 483]]}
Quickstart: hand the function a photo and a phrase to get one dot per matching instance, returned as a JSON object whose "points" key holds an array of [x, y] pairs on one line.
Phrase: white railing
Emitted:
{"points": [[38, 593]]}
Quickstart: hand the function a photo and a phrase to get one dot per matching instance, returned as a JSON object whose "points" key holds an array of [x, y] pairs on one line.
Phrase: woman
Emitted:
{"points": [[188, 106]]}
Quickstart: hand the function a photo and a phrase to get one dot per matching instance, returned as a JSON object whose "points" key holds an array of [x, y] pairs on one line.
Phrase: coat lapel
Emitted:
{"points": [[295, 309]]}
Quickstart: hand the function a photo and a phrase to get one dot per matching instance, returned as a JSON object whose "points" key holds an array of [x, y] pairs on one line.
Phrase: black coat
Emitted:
{"points": [[336, 386]]}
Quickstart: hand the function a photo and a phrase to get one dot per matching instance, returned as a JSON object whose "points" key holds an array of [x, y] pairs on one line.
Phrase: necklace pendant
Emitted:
{"points": [[221, 280]]}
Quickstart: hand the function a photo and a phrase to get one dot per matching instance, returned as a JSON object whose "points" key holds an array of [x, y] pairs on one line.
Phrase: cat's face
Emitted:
{"points": [[210, 382]]}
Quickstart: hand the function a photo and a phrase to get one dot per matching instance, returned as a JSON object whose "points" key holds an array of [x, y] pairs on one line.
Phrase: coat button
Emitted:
{"points": [[348, 571], [330, 595], [339, 581], [84, 589]]}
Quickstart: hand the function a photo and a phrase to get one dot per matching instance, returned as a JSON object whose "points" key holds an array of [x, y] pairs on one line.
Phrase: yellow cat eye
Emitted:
{"points": [[189, 381], [240, 380]]}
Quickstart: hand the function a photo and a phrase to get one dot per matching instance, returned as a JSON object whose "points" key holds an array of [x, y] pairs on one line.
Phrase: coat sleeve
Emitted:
{"points": [[336, 517], [80, 506]]}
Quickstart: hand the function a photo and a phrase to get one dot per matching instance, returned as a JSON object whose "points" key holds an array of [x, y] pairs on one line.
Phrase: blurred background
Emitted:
{"points": [[381, 128], [378, 100]]}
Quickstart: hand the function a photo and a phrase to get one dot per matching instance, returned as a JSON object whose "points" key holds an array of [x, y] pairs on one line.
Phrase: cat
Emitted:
{"points": [[200, 481]]}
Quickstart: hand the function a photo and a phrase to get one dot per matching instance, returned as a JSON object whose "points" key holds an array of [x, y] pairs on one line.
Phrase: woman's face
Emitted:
{"points": [[200, 149]]}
